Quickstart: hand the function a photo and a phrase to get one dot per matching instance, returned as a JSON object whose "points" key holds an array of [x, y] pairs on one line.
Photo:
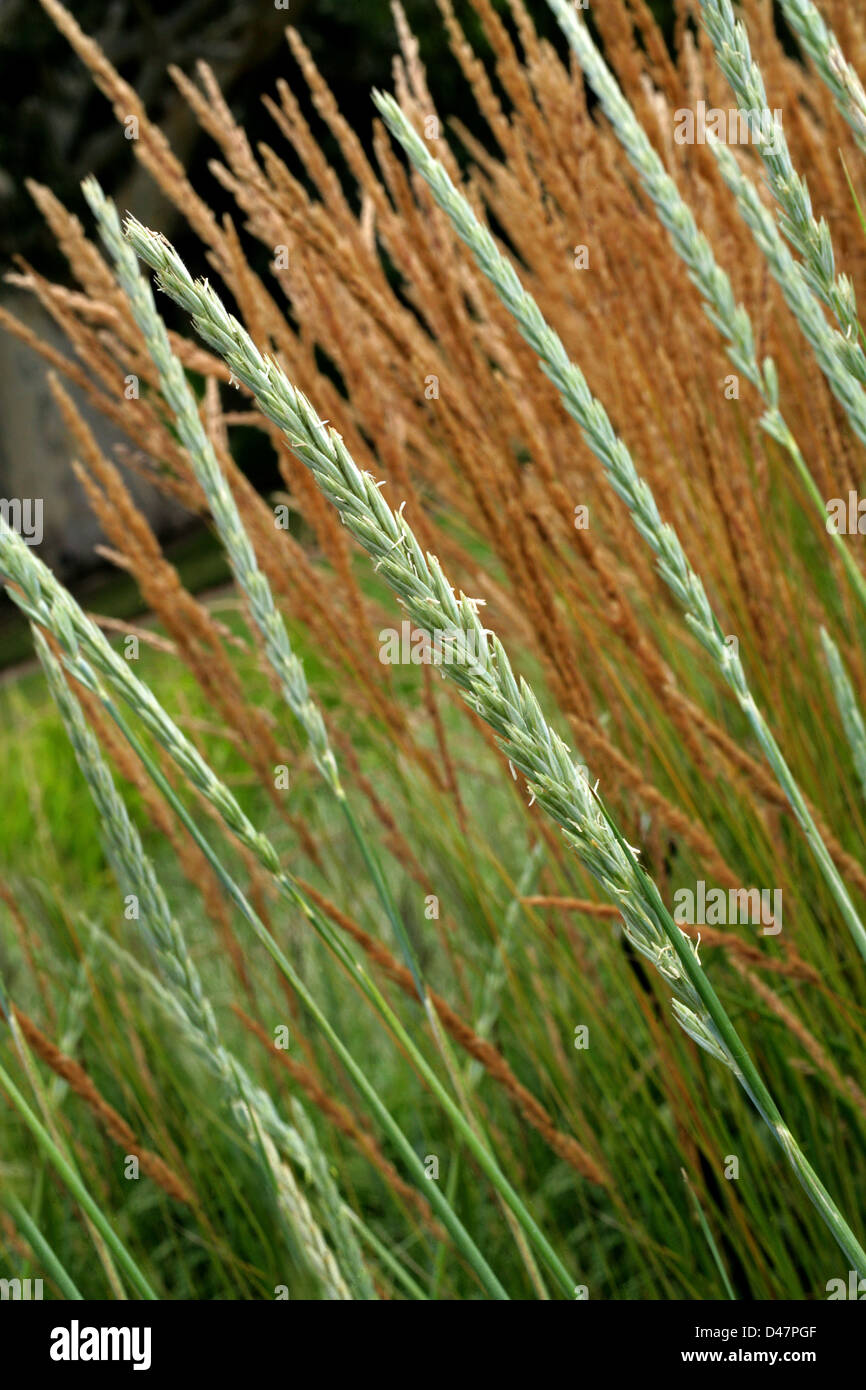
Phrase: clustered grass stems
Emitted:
{"points": [[70, 1176], [178, 394], [58, 1145], [810, 238], [611, 451], [489, 1008], [824, 49], [248, 1103], [730, 318], [489, 685], [238, 547], [300, 1141], [38, 594], [40, 1247], [838, 355], [460, 1235], [849, 709], [267, 617], [366, 287]]}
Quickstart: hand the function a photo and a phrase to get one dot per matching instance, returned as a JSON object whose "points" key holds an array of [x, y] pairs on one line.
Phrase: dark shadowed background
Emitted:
{"points": [[57, 127]]}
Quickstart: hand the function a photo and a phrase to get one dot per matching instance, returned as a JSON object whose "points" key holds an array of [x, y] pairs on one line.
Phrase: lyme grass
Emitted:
{"points": [[490, 688], [378, 974], [614, 456]]}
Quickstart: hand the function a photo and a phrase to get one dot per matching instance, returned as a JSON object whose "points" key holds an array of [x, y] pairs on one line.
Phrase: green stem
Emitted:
{"points": [[385, 896], [709, 1238], [39, 1245], [754, 1086], [384, 1254], [324, 929], [76, 1186], [450, 1220]]}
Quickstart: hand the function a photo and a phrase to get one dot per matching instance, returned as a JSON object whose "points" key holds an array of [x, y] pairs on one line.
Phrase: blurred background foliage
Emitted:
{"points": [[59, 127]]}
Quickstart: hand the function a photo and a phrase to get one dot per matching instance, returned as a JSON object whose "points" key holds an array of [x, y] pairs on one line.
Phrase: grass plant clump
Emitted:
{"points": [[360, 977]]}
